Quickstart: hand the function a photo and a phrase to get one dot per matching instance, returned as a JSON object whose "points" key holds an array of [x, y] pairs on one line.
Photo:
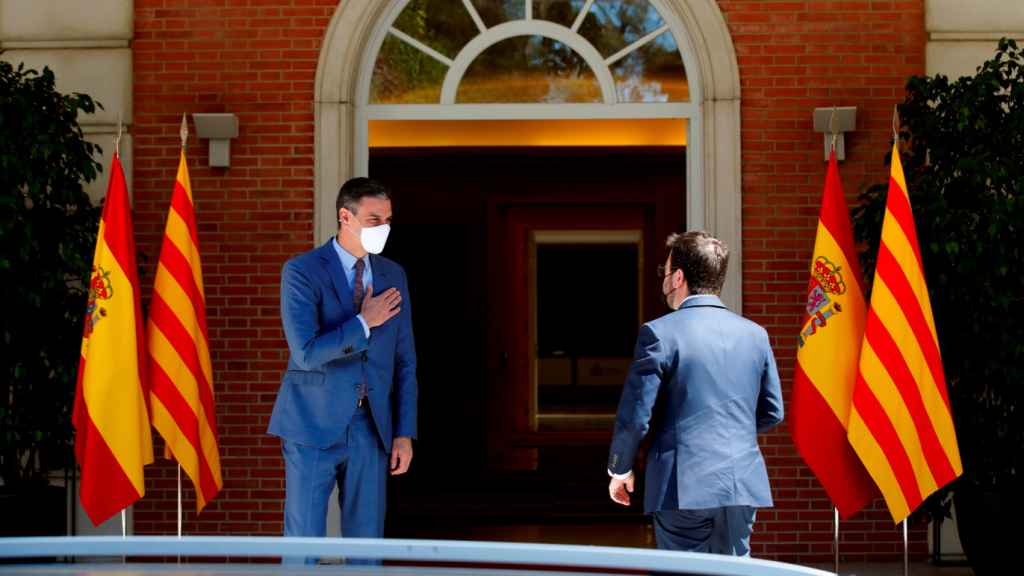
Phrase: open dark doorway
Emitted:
{"points": [[467, 223]]}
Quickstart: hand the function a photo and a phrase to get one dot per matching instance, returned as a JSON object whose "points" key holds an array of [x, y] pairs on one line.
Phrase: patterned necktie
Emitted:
{"points": [[357, 298], [357, 286]]}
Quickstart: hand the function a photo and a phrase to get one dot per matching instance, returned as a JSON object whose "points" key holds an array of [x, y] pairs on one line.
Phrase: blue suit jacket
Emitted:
{"points": [[706, 378], [331, 356]]}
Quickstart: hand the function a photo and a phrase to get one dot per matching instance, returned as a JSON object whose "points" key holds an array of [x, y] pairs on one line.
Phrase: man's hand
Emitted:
{"points": [[401, 455], [620, 490], [378, 310]]}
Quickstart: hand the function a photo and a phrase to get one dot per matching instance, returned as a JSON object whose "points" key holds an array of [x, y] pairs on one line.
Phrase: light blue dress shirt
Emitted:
{"points": [[348, 264]]}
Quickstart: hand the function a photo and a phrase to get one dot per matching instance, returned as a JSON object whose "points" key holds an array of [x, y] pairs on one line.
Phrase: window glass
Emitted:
{"points": [[529, 69], [652, 73], [405, 75]]}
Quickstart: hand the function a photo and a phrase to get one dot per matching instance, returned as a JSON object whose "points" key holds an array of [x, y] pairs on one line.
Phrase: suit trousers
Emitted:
{"points": [[358, 464], [724, 530]]}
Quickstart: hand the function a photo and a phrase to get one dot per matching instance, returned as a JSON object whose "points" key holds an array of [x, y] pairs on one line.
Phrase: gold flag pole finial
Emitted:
{"points": [[833, 128], [117, 139], [895, 123], [184, 130]]}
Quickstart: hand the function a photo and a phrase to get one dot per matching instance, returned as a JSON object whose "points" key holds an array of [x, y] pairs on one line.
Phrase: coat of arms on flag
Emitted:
{"points": [[826, 283], [100, 288]]}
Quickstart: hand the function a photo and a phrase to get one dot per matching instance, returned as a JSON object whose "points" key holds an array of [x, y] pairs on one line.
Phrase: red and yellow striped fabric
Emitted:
{"points": [[178, 343], [901, 425], [112, 438], [826, 361]]}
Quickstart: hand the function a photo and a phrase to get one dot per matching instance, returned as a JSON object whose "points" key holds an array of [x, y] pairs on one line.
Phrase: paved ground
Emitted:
{"points": [[896, 569]]}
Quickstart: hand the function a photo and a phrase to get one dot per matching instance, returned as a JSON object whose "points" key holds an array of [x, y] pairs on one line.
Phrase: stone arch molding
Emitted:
{"points": [[717, 205]]}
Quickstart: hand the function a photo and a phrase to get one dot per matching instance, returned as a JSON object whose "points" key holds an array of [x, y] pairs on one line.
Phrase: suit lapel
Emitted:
{"points": [[382, 279], [331, 262]]}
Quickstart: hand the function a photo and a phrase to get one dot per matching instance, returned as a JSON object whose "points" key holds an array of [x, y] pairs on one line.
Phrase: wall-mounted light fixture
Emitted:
{"points": [[837, 120], [219, 129]]}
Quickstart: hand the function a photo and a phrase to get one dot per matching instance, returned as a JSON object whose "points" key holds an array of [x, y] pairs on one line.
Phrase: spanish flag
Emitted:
{"points": [[112, 438], [826, 361], [901, 424], [178, 344]]}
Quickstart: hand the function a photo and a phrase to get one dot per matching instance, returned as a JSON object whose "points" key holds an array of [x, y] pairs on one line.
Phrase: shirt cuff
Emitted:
{"points": [[366, 327], [624, 476]]}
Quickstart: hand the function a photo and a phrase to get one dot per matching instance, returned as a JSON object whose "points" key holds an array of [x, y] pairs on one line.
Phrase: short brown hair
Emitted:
{"points": [[702, 258]]}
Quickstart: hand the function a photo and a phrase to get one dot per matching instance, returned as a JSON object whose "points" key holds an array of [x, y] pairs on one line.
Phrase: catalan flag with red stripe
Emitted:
{"points": [[826, 361], [901, 424], [112, 438], [180, 374]]}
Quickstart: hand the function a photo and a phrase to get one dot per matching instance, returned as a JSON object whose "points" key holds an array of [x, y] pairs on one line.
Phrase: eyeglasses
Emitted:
{"points": [[663, 271]]}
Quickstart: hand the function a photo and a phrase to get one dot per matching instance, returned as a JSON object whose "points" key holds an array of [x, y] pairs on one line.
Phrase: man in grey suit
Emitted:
{"points": [[704, 382]]}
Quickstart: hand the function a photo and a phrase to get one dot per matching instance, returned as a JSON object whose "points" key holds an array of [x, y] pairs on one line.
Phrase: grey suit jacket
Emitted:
{"points": [[704, 383]]}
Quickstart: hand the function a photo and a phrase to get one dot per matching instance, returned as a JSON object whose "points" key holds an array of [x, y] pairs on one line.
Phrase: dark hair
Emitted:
{"points": [[353, 191], [702, 258]]}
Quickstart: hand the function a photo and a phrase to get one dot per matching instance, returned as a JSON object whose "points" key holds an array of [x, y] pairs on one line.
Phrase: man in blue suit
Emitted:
{"points": [[346, 410], [704, 382]]}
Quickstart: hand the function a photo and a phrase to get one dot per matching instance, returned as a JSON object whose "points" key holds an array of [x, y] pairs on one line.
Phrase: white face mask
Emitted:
{"points": [[373, 239]]}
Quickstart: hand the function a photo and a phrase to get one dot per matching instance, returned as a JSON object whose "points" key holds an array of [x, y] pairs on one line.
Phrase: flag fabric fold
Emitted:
{"points": [[901, 424], [177, 341], [826, 362], [113, 441]]}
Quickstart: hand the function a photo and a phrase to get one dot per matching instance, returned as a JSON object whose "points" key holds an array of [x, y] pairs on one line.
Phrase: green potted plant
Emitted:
{"points": [[963, 154], [47, 238]]}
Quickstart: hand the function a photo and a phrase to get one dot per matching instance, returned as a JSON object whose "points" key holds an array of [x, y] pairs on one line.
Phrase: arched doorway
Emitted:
{"points": [[342, 92], [501, 385]]}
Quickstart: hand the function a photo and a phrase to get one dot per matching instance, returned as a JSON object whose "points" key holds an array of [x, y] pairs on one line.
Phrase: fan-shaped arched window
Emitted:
{"points": [[529, 51], [437, 73]]}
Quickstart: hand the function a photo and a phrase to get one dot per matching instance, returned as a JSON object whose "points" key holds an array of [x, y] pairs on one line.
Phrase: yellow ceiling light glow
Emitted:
{"points": [[535, 133]]}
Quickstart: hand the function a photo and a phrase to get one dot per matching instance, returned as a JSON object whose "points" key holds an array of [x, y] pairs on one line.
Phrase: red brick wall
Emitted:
{"points": [[257, 59], [795, 56]]}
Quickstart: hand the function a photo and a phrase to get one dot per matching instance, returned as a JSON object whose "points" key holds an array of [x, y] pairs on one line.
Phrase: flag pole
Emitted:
{"points": [[184, 131], [179, 505], [184, 139], [906, 555], [117, 154], [117, 139], [124, 520], [179, 501], [835, 534], [895, 123], [833, 128], [835, 511]]}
